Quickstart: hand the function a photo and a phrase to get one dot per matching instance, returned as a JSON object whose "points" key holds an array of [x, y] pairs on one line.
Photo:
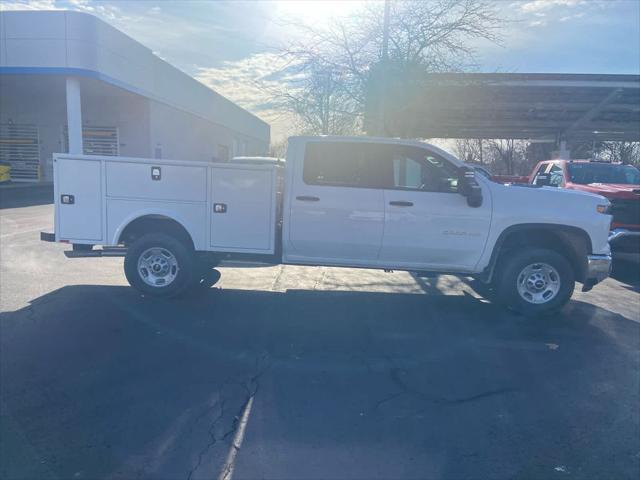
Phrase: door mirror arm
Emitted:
{"points": [[469, 187]]}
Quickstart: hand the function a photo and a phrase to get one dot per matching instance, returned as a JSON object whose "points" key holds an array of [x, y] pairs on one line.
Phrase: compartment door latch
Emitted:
{"points": [[156, 173]]}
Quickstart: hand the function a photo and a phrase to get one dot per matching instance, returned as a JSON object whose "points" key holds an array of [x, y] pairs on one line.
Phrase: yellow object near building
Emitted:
{"points": [[5, 173]]}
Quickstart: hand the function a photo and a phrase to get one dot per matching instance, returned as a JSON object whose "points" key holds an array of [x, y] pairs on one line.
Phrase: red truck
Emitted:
{"points": [[619, 183]]}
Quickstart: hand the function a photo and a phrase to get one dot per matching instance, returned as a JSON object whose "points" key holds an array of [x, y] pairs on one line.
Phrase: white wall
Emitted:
{"points": [[73, 40], [186, 137], [128, 112], [142, 124]]}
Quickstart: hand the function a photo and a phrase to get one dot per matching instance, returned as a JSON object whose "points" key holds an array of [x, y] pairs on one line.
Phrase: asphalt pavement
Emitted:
{"points": [[305, 373]]}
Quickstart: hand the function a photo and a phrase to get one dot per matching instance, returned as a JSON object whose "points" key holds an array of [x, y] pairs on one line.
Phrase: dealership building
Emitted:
{"points": [[70, 82]]}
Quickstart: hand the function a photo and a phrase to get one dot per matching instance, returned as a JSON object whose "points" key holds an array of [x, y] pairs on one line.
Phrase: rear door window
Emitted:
{"points": [[344, 164]]}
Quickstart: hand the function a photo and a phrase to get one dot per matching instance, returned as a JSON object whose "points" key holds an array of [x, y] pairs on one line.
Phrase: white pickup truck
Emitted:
{"points": [[337, 201]]}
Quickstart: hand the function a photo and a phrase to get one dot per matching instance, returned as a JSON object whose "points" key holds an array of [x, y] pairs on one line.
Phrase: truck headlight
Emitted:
{"points": [[606, 209]]}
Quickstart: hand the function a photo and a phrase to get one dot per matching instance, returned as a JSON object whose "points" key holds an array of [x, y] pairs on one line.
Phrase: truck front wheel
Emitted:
{"points": [[535, 281], [160, 265]]}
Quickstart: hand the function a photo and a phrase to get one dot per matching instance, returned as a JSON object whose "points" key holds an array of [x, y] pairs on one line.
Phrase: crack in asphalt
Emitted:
{"points": [[212, 435], [250, 387], [406, 389]]}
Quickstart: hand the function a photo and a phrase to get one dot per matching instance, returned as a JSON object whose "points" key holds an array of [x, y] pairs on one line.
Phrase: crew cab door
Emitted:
{"points": [[428, 224], [336, 208]]}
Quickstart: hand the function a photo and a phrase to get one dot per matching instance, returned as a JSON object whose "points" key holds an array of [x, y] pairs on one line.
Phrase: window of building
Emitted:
{"points": [[223, 153], [96, 140]]}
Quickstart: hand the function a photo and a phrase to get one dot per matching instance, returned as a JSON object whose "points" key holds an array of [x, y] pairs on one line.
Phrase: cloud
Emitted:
{"points": [[567, 18], [28, 5], [542, 5], [252, 83], [106, 11]]}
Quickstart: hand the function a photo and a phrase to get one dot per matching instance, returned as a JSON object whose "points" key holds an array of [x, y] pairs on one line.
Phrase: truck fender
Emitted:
{"points": [[145, 213], [574, 242]]}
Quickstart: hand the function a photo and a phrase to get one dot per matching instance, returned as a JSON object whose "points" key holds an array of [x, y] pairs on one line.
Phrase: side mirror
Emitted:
{"points": [[469, 187]]}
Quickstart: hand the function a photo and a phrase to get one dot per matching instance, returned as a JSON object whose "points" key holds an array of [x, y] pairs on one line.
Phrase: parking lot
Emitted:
{"points": [[300, 372]]}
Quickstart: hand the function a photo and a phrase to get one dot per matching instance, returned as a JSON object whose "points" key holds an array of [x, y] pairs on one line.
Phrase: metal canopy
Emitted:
{"points": [[544, 107]]}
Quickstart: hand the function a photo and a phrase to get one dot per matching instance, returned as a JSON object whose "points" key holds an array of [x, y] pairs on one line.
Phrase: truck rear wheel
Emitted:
{"points": [[160, 265], [535, 281]]}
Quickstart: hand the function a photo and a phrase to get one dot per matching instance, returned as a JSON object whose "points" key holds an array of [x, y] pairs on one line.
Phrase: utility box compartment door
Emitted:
{"points": [[243, 208], [157, 182], [78, 190]]}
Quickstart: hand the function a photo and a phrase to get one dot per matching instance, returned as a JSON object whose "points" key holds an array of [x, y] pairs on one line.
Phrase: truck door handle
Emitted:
{"points": [[307, 198], [399, 203]]}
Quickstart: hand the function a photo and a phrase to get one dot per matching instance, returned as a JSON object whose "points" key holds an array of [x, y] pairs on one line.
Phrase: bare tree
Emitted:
{"points": [[509, 156], [608, 151], [319, 102], [625, 152], [470, 150], [330, 68]]}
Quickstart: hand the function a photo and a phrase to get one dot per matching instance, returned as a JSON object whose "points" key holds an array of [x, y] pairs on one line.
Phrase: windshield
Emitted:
{"points": [[585, 173]]}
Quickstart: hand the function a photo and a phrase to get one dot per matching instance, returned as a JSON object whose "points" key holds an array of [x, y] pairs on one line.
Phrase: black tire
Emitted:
{"points": [[181, 273], [513, 265]]}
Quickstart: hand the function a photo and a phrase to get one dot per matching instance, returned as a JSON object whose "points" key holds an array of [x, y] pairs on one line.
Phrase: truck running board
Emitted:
{"points": [[105, 252]]}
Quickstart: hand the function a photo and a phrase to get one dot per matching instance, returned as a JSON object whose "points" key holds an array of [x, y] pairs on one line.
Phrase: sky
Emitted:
{"points": [[230, 45]]}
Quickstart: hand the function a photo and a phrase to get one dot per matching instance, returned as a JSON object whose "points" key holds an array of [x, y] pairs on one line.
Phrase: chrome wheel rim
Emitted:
{"points": [[157, 267], [538, 283]]}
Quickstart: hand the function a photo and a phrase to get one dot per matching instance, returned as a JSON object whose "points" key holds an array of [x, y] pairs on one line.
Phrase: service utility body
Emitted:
{"points": [[336, 201]]}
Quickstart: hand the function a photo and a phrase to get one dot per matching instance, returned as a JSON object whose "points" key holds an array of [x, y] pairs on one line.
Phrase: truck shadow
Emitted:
{"points": [[25, 196], [100, 380], [627, 273]]}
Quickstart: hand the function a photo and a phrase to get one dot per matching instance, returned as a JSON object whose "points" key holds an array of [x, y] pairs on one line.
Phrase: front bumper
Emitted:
{"points": [[598, 268]]}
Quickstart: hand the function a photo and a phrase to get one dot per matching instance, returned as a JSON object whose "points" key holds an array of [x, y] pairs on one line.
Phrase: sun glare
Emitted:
{"points": [[317, 11]]}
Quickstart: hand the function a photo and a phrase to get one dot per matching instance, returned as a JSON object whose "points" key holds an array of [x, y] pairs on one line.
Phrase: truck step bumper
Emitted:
{"points": [[47, 237], [105, 252]]}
